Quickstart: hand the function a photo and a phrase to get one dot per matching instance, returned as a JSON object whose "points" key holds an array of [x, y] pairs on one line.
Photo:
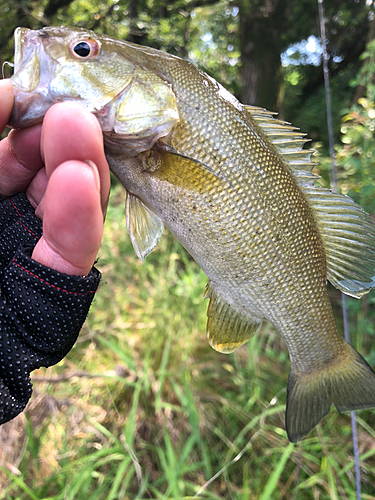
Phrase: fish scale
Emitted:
{"points": [[235, 187]]}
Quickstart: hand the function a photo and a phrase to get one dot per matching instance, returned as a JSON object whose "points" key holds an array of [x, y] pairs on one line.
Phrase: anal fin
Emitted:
{"points": [[227, 328], [144, 227]]}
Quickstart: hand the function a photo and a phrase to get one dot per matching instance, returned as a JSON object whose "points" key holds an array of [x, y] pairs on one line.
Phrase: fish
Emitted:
{"points": [[235, 186]]}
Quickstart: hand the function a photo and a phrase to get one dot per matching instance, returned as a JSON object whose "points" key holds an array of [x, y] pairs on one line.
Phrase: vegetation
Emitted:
{"points": [[142, 407]]}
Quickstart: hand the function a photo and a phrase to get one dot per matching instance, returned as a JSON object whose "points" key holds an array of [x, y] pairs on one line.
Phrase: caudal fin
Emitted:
{"points": [[348, 384]]}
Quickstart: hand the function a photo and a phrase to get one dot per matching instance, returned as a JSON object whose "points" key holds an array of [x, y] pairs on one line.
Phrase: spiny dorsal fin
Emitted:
{"points": [[286, 138], [227, 329]]}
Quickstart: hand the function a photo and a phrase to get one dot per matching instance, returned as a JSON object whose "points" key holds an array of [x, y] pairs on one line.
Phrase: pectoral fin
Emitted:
{"points": [[171, 155], [144, 227], [183, 171], [227, 328]]}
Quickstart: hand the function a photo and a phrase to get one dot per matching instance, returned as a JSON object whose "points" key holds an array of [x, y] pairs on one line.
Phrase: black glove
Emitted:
{"points": [[41, 310]]}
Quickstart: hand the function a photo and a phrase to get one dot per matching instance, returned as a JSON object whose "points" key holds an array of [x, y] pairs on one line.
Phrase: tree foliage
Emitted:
{"points": [[239, 42], [355, 152]]}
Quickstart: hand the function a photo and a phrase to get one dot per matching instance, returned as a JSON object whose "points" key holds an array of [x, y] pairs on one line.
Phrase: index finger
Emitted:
{"points": [[70, 132], [20, 157], [6, 103]]}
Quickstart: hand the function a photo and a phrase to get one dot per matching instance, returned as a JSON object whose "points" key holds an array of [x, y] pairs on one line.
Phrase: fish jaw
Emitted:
{"points": [[32, 97]]}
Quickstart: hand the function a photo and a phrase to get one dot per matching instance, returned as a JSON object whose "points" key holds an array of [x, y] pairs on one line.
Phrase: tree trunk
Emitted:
{"points": [[136, 35], [260, 28]]}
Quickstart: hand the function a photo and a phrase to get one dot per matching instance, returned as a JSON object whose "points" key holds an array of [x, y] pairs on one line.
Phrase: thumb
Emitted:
{"points": [[73, 219]]}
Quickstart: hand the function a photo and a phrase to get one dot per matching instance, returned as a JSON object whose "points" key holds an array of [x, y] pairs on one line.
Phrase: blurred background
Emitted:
{"points": [[142, 407]]}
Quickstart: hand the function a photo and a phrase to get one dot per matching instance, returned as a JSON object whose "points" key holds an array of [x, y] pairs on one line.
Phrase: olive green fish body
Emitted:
{"points": [[241, 227], [234, 186]]}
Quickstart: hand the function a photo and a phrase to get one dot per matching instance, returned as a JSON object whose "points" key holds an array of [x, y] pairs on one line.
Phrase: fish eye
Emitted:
{"points": [[84, 49]]}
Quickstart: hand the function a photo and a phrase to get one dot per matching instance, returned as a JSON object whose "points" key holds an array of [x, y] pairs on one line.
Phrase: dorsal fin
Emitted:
{"points": [[348, 233], [287, 139]]}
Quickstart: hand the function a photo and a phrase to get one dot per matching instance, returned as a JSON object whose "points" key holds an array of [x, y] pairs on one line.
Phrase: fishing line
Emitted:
{"points": [[324, 40]]}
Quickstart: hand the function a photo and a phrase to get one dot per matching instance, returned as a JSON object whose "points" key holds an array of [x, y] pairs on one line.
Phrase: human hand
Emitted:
{"points": [[62, 168]]}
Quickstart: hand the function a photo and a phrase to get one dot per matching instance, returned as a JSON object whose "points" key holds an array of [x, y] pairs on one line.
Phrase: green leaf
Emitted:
{"points": [[275, 476]]}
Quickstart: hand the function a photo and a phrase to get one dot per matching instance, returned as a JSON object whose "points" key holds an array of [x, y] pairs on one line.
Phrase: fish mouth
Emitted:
{"points": [[30, 82]]}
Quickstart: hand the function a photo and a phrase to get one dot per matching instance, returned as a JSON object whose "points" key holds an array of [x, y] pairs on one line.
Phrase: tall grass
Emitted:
{"points": [[143, 408]]}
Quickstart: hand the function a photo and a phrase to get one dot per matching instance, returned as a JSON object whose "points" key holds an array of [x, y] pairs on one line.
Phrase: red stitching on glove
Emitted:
{"points": [[46, 282], [20, 222]]}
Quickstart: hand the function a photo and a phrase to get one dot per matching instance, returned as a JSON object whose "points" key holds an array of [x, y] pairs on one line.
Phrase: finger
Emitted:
{"points": [[19, 152], [36, 191], [70, 132], [20, 159], [6, 102], [73, 219]]}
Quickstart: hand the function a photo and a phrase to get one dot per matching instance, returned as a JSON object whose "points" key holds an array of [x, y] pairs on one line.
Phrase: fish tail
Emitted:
{"points": [[347, 383]]}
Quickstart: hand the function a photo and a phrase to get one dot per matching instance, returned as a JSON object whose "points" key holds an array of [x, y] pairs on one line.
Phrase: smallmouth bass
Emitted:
{"points": [[233, 185]]}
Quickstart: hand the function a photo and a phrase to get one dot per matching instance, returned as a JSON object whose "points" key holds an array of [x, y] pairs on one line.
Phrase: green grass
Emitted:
{"points": [[143, 408]]}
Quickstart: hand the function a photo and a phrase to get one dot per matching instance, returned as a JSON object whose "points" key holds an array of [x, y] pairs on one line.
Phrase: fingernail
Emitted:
{"points": [[95, 171]]}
